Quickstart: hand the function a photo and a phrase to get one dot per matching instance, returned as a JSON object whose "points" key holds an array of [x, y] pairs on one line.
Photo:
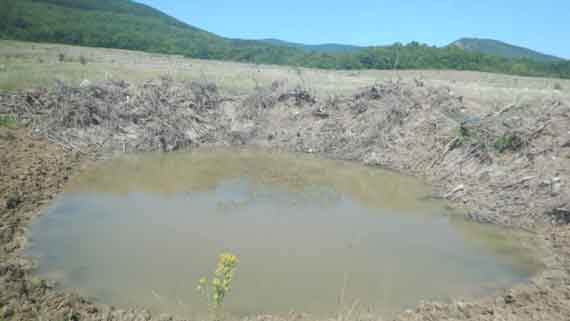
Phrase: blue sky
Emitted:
{"points": [[540, 25]]}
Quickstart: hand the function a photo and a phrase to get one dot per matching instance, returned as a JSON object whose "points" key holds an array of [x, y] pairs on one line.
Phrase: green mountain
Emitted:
{"points": [[483, 46], [501, 49], [126, 24], [328, 48]]}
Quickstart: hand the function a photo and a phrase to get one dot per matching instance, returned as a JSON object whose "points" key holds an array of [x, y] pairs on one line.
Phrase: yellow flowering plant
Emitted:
{"points": [[216, 289]]}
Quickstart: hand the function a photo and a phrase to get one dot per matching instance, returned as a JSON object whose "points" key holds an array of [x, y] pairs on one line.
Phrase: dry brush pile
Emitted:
{"points": [[508, 166], [158, 115]]}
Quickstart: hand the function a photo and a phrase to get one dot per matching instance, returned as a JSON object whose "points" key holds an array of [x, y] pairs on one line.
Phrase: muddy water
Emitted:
{"points": [[312, 235]]}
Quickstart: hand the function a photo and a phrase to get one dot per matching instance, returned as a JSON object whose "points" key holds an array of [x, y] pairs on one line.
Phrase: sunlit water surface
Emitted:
{"points": [[312, 235]]}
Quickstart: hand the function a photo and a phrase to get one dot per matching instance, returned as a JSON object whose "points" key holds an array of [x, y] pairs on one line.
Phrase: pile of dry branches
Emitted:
{"points": [[158, 115], [507, 158]]}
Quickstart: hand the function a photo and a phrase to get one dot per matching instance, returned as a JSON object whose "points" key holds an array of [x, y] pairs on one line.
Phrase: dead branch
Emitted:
{"points": [[521, 181]]}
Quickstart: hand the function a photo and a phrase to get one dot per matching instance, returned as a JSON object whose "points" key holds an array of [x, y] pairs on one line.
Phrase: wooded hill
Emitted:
{"points": [[501, 49], [126, 24]]}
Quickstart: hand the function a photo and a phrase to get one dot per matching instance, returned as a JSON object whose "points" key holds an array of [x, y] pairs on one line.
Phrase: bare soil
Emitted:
{"points": [[505, 164]]}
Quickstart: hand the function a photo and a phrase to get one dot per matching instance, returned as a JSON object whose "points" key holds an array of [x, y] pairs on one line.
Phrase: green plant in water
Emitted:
{"points": [[216, 289]]}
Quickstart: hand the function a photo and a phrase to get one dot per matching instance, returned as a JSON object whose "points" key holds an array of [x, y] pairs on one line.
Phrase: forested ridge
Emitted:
{"points": [[129, 25], [501, 49]]}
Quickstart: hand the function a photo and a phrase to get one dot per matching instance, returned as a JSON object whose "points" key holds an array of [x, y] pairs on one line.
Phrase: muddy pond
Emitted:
{"points": [[312, 235]]}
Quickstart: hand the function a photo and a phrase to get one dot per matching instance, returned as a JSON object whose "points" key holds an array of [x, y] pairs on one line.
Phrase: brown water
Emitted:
{"points": [[312, 236]]}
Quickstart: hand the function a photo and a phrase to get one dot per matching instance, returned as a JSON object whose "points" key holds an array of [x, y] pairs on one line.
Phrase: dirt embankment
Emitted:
{"points": [[32, 172], [507, 166]]}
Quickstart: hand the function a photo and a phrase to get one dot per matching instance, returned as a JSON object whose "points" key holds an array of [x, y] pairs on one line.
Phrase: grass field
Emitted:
{"points": [[25, 65]]}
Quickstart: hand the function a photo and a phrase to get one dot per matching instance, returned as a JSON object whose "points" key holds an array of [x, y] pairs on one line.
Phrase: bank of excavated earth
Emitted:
{"points": [[507, 166]]}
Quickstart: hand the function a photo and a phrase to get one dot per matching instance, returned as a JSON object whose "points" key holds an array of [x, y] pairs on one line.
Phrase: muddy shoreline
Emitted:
{"points": [[508, 166]]}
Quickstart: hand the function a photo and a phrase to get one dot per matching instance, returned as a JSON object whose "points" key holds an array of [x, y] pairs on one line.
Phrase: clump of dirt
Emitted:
{"points": [[509, 166]]}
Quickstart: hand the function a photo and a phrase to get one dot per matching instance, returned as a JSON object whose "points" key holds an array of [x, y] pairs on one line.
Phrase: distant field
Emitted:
{"points": [[26, 65]]}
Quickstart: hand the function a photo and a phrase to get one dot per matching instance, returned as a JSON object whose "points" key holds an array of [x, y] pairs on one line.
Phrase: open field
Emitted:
{"points": [[27, 65], [496, 147]]}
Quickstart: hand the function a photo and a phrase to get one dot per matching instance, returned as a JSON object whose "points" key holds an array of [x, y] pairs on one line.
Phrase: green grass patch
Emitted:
{"points": [[24, 74], [463, 135], [508, 141], [8, 121]]}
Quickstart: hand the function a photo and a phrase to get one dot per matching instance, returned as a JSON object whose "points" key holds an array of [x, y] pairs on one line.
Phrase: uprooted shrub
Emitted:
{"points": [[299, 95], [206, 94], [263, 98], [372, 93]]}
